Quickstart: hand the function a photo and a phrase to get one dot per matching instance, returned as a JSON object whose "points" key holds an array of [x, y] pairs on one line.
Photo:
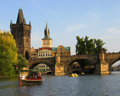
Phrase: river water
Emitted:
{"points": [[83, 85]]}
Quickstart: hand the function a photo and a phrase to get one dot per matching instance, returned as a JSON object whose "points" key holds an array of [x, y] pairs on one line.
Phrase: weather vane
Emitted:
{"points": [[21, 6]]}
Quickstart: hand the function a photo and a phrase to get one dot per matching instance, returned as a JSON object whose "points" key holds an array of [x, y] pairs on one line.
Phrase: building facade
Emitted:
{"points": [[44, 52], [61, 51], [34, 53]]}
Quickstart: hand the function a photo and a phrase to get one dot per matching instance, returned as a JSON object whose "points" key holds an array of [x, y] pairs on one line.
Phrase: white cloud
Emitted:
{"points": [[107, 37], [113, 29], [111, 33], [74, 27]]}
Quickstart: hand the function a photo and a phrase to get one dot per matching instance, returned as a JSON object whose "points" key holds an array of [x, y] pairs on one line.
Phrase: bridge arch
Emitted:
{"points": [[35, 64], [67, 66], [48, 61]]}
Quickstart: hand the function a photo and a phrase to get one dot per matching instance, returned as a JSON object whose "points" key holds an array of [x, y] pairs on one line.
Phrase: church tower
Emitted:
{"points": [[46, 41], [21, 33]]}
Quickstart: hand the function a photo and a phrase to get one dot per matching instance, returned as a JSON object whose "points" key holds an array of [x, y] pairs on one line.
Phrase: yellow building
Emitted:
{"points": [[34, 53], [61, 51]]}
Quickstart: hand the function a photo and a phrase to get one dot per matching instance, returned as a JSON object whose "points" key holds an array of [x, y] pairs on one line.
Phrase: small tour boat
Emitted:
{"points": [[82, 73], [73, 75], [31, 79]]}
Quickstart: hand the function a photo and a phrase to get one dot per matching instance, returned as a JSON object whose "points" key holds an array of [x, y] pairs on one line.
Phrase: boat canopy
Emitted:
{"points": [[31, 70]]}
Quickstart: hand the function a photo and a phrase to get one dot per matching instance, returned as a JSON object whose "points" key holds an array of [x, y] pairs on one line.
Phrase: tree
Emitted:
{"points": [[98, 45], [22, 62], [88, 46], [8, 54]]}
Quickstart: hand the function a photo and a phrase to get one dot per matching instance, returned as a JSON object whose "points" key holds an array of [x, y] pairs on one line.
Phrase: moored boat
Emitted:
{"points": [[73, 75], [31, 79], [82, 73]]}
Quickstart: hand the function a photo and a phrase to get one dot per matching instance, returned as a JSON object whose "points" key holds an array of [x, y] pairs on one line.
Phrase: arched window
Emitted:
{"points": [[27, 55]]}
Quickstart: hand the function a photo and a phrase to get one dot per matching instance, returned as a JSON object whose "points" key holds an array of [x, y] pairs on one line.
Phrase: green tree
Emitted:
{"points": [[80, 46], [22, 62], [98, 45], [8, 54], [88, 46]]}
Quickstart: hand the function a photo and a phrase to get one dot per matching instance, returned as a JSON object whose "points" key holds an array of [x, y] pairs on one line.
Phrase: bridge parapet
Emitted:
{"points": [[92, 58]]}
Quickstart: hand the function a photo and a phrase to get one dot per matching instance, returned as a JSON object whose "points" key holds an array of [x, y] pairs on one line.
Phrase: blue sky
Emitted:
{"points": [[99, 19]]}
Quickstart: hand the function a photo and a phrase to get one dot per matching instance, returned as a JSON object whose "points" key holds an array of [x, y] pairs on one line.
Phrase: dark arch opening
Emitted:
{"points": [[115, 66], [77, 66], [27, 55]]}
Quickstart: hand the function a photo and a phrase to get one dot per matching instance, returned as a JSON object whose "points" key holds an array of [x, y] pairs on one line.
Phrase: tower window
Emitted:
{"points": [[60, 48]]}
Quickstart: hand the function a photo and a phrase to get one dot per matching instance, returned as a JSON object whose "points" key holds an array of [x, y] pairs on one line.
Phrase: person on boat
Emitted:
{"points": [[33, 76], [23, 77], [38, 77]]}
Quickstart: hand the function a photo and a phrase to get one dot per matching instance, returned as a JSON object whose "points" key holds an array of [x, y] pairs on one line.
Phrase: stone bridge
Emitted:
{"points": [[60, 65]]}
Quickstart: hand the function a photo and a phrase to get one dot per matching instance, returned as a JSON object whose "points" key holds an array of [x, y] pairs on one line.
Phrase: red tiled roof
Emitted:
{"points": [[49, 48], [36, 49]]}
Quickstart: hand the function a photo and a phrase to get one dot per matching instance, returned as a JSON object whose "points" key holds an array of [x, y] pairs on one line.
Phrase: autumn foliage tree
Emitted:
{"points": [[8, 54]]}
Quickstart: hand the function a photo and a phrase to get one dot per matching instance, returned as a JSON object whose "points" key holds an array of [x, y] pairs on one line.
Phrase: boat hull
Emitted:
{"points": [[30, 82]]}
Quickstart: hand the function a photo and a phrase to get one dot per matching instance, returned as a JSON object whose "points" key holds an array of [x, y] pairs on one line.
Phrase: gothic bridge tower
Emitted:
{"points": [[21, 33]]}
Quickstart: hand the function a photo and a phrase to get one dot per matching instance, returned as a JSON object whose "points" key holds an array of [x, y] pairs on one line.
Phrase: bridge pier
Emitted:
{"points": [[59, 68], [102, 67]]}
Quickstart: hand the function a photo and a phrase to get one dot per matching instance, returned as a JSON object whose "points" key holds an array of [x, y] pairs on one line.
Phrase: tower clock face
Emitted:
{"points": [[46, 42]]}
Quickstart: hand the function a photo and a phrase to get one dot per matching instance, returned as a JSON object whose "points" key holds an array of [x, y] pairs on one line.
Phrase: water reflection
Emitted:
{"points": [[86, 85]]}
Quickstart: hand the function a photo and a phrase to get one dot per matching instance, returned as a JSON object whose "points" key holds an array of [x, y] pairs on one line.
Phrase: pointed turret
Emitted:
{"points": [[20, 18], [47, 32], [11, 22], [47, 27], [30, 23], [46, 41]]}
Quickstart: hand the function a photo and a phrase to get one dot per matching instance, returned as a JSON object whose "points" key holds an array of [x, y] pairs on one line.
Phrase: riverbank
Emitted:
{"points": [[8, 76]]}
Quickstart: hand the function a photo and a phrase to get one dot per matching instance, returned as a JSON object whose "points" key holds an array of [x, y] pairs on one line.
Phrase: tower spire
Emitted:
{"points": [[20, 17], [47, 32], [47, 26]]}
